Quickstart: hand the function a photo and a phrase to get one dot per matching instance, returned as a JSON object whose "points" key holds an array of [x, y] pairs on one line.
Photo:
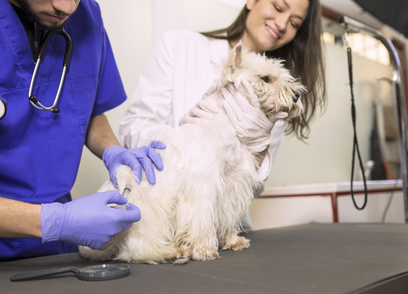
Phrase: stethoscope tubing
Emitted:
{"points": [[34, 100], [40, 105]]}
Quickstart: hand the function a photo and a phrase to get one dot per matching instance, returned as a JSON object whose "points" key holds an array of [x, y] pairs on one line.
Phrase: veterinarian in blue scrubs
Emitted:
{"points": [[40, 150], [184, 64]]}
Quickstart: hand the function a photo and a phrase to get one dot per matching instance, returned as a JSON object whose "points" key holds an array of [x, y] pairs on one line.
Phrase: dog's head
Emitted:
{"points": [[276, 89]]}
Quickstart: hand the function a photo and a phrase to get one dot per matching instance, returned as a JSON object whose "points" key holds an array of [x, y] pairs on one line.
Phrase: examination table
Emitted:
{"points": [[311, 258]]}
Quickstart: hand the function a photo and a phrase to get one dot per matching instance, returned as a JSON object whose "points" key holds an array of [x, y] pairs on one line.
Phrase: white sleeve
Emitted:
{"points": [[266, 166], [149, 112]]}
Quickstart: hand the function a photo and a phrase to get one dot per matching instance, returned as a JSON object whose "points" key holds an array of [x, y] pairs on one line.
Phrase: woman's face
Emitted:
{"points": [[272, 24]]}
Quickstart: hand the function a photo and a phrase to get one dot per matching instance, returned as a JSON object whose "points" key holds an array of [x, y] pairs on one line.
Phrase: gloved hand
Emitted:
{"points": [[204, 109], [114, 156], [87, 220], [252, 125]]}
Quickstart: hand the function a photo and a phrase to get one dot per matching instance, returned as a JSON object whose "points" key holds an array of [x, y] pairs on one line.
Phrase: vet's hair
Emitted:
{"points": [[303, 57]]}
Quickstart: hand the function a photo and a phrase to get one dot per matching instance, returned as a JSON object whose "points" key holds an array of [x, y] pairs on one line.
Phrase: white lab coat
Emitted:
{"points": [[180, 69]]}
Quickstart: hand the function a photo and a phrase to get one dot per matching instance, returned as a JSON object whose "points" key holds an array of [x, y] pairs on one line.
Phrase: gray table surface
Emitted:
{"points": [[312, 258]]}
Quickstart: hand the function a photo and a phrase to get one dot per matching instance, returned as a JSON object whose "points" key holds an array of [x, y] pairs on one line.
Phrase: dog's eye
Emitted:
{"points": [[296, 97], [265, 79]]}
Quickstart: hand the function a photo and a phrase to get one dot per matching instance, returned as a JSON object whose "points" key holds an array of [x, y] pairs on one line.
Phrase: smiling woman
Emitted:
{"points": [[292, 30], [271, 25]]}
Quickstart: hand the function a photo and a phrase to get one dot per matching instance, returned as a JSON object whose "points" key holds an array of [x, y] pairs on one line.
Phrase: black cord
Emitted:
{"points": [[355, 141]]}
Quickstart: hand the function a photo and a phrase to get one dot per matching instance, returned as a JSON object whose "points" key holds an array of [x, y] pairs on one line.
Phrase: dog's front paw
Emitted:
{"points": [[237, 244], [203, 253], [181, 255]]}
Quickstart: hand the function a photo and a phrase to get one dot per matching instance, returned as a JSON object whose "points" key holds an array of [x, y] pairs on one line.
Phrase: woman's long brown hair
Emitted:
{"points": [[303, 56]]}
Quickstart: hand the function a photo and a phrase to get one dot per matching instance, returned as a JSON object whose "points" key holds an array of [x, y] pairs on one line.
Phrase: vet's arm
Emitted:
{"points": [[261, 156], [84, 221], [264, 165], [87, 220], [102, 142], [19, 219], [99, 135]]}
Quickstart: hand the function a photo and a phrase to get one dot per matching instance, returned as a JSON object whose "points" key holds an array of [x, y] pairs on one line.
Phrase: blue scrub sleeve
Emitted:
{"points": [[110, 92]]}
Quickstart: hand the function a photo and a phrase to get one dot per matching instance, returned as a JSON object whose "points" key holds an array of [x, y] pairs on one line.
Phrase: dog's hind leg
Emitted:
{"points": [[196, 218]]}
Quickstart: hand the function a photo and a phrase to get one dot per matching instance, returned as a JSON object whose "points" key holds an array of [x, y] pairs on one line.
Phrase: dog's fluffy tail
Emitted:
{"points": [[125, 178]]}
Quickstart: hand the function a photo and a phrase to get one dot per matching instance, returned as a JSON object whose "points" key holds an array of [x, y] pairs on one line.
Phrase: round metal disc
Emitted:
{"points": [[103, 272]]}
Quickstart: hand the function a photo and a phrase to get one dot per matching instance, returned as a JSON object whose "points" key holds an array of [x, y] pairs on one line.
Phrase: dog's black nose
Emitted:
{"points": [[296, 97]]}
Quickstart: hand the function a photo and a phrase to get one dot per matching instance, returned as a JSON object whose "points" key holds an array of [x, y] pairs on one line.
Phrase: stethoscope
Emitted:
{"points": [[34, 100], [3, 108]]}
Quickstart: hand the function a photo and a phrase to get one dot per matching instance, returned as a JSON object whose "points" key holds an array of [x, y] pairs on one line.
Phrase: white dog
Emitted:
{"points": [[210, 168]]}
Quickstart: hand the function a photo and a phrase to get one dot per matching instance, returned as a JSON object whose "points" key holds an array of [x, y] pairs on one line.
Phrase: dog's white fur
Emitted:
{"points": [[208, 179]]}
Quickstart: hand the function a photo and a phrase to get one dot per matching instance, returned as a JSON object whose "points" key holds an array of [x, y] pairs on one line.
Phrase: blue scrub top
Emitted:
{"points": [[40, 151]]}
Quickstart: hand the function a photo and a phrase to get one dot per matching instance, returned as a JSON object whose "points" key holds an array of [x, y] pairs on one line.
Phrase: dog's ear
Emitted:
{"points": [[238, 54], [233, 66], [235, 57]]}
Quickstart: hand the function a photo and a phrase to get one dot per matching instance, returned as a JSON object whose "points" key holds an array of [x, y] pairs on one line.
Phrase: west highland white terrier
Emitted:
{"points": [[210, 168]]}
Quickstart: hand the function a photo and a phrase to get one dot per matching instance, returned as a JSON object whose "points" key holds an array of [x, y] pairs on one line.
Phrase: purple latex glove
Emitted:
{"points": [[87, 220], [114, 156]]}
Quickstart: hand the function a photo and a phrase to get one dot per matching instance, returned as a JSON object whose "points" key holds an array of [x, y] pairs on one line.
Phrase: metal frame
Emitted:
{"points": [[352, 26]]}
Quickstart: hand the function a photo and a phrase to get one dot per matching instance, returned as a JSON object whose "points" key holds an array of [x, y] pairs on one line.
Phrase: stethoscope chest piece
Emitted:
{"points": [[3, 108]]}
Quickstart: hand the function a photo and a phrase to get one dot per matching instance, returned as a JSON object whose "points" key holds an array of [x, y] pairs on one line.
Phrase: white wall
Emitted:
{"points": [[134, 25]]}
